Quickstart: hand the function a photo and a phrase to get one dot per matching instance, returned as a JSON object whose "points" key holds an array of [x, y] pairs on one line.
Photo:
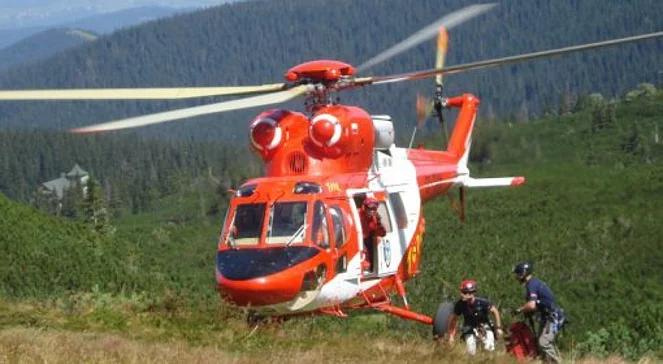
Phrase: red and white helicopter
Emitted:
{"points": [[292, 240]]}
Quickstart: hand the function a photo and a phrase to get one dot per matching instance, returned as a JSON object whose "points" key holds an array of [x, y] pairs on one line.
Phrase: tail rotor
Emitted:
{"points": [[425, 106], [439, 101]]}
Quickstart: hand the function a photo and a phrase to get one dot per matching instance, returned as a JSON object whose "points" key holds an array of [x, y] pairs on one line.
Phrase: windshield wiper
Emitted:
{"points": [[299, 231]]}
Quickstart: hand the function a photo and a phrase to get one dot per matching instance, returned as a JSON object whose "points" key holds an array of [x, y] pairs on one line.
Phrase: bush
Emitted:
{"points": [[632, 337]]}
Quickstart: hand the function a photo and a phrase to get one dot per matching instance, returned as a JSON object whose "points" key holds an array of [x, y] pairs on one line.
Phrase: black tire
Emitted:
{"points": [[441, 319], [253, 318]]}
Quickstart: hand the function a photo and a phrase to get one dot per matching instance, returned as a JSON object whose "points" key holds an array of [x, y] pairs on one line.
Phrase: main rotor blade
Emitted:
{"points": [[137, 93], [500, 61], [244, 103], [448, 21]]}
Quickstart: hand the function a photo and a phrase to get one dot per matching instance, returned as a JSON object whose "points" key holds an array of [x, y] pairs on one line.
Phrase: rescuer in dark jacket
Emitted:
{"points": [[476, 321], [540, 300]]}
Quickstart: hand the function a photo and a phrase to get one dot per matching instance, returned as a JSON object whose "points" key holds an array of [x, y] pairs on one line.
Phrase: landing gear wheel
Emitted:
{"points": [[254, 319], [441, 319]]}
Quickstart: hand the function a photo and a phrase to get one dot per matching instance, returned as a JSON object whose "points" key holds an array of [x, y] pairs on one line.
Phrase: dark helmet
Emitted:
{"points": [[468, 286], [371, 203], [523, 269]]}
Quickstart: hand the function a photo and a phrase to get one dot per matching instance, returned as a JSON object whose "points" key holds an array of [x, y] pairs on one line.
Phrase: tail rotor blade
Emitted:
{"points": [[243, 103], [424, 107], [442, 46]]}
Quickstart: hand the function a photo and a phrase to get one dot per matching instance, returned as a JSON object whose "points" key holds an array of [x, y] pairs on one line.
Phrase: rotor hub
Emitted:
{"points": [[323, 71]]}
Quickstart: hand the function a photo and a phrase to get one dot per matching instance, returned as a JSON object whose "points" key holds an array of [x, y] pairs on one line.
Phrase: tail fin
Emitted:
{"points": [[461, 137], [461, 141]]}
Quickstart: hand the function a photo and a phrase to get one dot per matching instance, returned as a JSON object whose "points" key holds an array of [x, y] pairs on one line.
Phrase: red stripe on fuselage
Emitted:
{"points": [[434, 170]]}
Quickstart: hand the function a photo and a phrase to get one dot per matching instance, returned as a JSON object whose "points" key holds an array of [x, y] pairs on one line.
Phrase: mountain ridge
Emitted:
{"points": [[43, 45], [99, 23]]}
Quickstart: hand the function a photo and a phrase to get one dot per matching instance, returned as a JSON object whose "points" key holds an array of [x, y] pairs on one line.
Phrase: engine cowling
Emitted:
{"points": [[265, 133], [325, 130], [336, 139]]}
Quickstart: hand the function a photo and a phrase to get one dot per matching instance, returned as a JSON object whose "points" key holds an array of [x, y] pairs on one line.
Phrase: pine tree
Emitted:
{"points": [[95, 212]]}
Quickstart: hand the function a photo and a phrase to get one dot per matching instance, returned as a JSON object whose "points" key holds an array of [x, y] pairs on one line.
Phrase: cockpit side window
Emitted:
{"points": [[287, 223], [320, 231], [247, 225], [337, 222], [226, 225]]}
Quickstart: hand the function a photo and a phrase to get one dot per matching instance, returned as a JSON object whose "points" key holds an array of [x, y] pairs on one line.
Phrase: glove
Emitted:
{"points": [[516, 311]]}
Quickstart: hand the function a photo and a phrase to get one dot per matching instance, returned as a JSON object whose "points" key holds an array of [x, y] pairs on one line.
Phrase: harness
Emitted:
{"points": [[555, 315], [478, 331]]}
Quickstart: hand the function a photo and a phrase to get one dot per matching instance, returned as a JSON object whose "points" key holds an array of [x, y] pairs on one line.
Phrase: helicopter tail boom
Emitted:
{"points": [[438, 171]]}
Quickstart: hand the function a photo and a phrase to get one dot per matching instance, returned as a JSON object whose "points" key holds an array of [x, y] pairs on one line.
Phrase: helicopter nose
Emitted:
{"points": [[263, 276]]}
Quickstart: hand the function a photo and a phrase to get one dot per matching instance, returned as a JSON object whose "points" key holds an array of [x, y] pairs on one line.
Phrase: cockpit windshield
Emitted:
{"points": [[247, 225], [287, 223]]}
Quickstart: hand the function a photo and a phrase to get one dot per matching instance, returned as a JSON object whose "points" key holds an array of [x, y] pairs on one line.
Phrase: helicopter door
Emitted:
{"points": [[329, 232], [387, 246]]}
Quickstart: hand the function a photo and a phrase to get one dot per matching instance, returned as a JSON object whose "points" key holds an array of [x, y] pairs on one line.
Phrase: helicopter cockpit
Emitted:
{"points": [[277, 241], [299, 219]]}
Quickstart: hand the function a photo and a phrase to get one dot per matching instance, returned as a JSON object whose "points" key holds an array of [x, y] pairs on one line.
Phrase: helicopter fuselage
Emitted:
{"points": [[292, 241]]}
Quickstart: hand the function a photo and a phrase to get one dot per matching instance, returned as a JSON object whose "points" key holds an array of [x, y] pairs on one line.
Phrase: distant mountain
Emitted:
{"points": [[12, 35], [43, 45], [110, 22], [98, 23], [49, 13], [255, 42]]}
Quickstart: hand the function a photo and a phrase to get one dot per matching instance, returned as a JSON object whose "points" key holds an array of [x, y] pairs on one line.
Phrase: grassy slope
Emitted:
{"points": [[588, 217]]}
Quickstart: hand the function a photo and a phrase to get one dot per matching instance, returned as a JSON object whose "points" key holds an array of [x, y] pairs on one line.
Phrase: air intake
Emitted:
{"points": [[297, 162]]}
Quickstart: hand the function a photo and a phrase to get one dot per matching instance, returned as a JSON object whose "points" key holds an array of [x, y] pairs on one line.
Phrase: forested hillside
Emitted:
{"points": [[132, 171], [255, 42]]}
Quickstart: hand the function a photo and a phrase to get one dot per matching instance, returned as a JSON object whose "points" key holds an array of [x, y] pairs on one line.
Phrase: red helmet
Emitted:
{"points": [[371, 203], [468, 286]]}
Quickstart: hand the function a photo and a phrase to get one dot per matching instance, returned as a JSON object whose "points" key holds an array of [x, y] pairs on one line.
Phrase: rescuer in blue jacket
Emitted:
{"points": [[540, 299]]}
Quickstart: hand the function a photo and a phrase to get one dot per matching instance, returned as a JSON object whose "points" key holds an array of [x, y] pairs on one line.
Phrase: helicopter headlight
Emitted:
{"points": [[265, 134], [325, 130]]}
